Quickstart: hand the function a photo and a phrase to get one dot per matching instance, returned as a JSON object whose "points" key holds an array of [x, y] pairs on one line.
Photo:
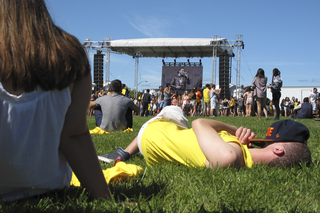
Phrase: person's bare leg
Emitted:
{"points": [[259, 109], [133, 148], [265, 112]]}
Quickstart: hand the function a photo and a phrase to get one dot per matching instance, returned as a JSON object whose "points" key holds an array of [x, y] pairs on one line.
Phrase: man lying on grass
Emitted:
{"points": [[214, 144]]}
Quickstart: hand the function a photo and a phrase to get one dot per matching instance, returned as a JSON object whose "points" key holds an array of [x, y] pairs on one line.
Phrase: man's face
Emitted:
{"points": [[160, 88], [314, 90]]}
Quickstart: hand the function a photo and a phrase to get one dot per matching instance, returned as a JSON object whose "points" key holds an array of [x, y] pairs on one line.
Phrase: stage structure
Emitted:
{"points": [[176, 48]]}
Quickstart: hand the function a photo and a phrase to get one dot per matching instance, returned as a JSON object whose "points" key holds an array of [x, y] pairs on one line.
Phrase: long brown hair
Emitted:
{"points": [[34, 51]]}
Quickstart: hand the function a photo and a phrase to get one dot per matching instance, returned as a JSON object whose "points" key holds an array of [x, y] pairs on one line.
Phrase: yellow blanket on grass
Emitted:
{"points": [[120, 172], [98, 130]]}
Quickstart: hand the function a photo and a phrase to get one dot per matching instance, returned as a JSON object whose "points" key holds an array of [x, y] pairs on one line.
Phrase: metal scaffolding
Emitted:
{"points": [[238, 43], [100, 46], [215, 44], [136, 74]]}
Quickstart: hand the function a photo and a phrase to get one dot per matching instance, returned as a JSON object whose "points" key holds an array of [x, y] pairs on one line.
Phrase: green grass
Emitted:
{"points": [[173, 188]]}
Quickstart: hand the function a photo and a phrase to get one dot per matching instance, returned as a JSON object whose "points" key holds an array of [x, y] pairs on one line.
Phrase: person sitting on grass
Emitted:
{"points": [[214, 144], [305, 109], [116, 109], [45, 89]]}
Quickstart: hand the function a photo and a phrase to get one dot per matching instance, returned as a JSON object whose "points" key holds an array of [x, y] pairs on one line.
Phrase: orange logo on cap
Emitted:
{"points": [[269, 132], [277, 135]]}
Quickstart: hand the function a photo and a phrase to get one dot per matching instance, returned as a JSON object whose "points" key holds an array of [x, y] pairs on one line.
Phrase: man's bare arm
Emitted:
{"points": [[218, 152], [135, 108], [92, 105]]}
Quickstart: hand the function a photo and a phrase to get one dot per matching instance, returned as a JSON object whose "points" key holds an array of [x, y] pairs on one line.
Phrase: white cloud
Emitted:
{"points": [[152, 27]]}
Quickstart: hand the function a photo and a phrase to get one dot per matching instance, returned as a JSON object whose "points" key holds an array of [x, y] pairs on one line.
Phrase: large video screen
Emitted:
{"points": [[182, 77]]}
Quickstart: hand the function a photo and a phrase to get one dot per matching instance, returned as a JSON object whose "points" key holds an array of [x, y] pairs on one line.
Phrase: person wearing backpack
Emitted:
{"points": [[275, 86]]}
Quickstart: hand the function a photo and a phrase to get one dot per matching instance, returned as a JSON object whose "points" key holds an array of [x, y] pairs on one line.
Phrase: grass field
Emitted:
{"points": [[173, 188]]}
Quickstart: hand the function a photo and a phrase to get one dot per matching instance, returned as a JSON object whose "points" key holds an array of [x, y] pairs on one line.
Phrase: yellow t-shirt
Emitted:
{"points": [[206, 95], [164, 141], [124, 91]]}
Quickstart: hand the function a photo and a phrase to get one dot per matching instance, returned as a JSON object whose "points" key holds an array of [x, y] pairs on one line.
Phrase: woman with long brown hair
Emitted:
{"points": [[45, 90]]}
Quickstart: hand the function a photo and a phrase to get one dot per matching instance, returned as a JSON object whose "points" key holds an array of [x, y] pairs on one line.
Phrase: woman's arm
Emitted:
{"points": [[76, 143]]}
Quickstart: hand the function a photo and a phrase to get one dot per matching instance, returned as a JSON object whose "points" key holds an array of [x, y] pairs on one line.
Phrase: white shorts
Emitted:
{"points": [[172, 113], [314, 106], [213, 104]]}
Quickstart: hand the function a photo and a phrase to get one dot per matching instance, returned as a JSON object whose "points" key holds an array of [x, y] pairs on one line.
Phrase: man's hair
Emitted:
{"points": [[36, 52], [306, 99], [116, 86], [295, 154], [148, 90], [208, 85]]}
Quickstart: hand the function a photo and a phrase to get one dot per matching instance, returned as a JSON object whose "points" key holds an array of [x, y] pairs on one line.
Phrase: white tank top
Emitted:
{"points": [[30, 129]]}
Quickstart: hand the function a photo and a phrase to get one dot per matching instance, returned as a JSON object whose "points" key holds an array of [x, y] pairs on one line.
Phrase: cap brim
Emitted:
{"points": [[271, 140], [262, 140]]}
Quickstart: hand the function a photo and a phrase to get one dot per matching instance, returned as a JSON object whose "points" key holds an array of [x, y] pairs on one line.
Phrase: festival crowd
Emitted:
{"points": [[206, 102]]}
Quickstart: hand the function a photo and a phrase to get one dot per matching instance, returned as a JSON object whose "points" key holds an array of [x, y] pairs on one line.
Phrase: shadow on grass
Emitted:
{"points": [[126, 190]]}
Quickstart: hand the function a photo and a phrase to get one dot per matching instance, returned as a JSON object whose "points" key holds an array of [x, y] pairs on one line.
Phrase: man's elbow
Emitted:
{"points": [[92, 105], [228, 159], [196, 122]]}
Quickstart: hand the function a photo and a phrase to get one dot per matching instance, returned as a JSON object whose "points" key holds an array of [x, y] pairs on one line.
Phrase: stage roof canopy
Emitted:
{"points": [[168, 47]]}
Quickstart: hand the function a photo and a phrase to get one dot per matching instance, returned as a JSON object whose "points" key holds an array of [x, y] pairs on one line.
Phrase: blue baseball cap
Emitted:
{"points": [[286, 131]]}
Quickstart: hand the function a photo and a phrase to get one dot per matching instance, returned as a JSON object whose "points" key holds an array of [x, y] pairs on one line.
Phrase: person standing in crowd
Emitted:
{"points": [[125, 91], [318, 108], [286, 106], [275, 86], [160, 96], [214, 99], [232, 106], [185, 103], [259, 84], [198, 100], [193, 102], [313, 97], [241, 106], [206, 99], [101, 93], [45, 85], [167, 96], [146, 99], [248, 96]]}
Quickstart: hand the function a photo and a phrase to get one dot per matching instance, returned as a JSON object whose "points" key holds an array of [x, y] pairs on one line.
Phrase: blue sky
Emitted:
{"points": [[282, 34]]}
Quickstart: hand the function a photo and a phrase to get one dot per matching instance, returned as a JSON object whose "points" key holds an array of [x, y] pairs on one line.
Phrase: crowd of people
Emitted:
{"points": [[207, 102]]}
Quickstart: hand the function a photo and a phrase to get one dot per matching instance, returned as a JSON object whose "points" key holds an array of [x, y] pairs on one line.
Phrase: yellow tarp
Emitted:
{"points": [[98, 130], [120, 172]]}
